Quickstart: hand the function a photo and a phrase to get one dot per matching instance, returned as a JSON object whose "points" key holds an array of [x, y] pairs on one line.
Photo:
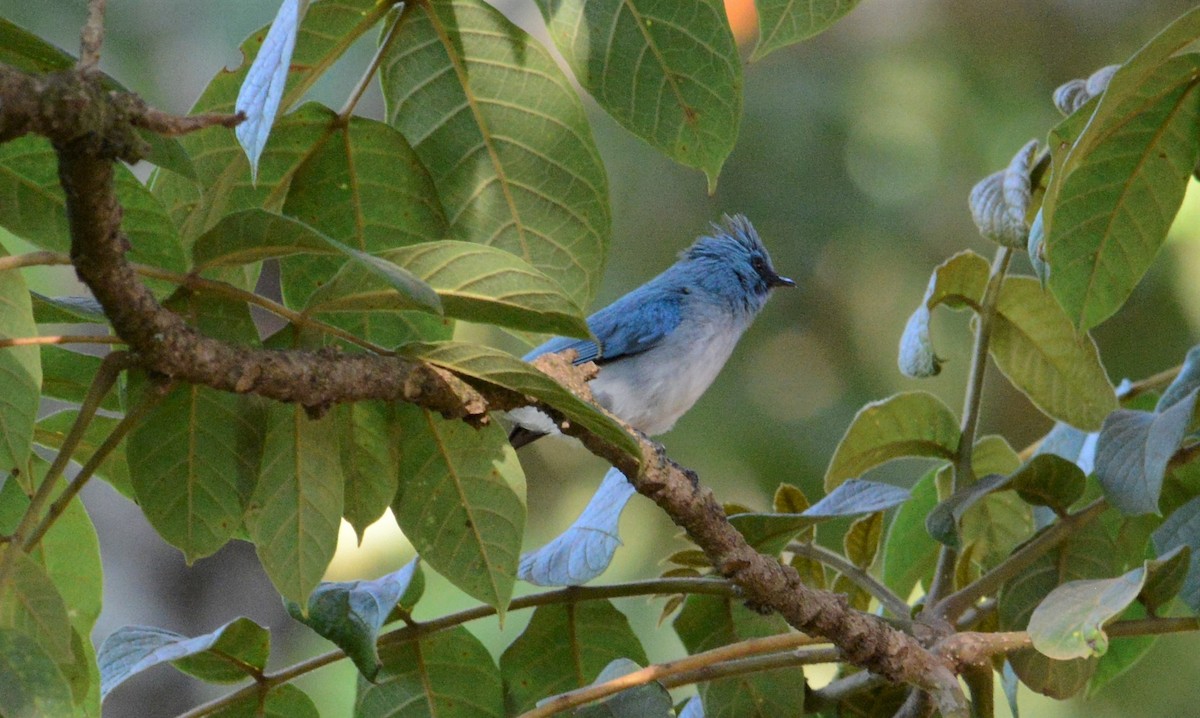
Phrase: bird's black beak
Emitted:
{"points": [[778, 281]]}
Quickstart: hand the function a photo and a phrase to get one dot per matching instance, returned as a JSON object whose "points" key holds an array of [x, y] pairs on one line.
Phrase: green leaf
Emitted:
{"points": [[1086, 554], [489, 365], [254, 234], [283, 701], [32, 205], [959, 281], [31, 603], [585, 549], [52, 429], [909, 554], [1059, 369], [351, 613], [770, 533], [66, 310], [1069, 622], [708, 622], [943, 521], [787, 22], [462, 503], [70, 555], [329, 28], [996, 525], [67, 375], [908, 424], [193, 462], [1049, 480], [33, 684], [369, 451], [668, 72], [565, 646], [448, 674], [505, 137], [1122, 185], [296, 509], [474, 282], [1121, 656], [20, 371], [649, 700], [861, 542], [226, 655], [1133, 451]]}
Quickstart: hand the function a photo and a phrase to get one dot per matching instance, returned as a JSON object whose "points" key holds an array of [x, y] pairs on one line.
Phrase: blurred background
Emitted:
{"points": [[856, 153]]}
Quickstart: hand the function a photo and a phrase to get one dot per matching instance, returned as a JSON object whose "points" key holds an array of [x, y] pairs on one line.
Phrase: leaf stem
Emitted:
{"points": [[61, 339], [889, 600], [706, 665], [365, 81], [98, 457], [414, 631], [964, 473], [104, 380], [952, 606], [33, 259]]}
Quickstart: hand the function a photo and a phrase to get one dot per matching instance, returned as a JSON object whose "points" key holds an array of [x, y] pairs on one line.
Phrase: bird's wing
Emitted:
{"points": [[631, 325]]}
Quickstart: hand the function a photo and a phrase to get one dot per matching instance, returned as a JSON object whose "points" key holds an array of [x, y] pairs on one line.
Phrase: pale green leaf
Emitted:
{"points": [[20, 371], [1069, 622], [33, 684], [908, 424], [504, 136], [1037, 348], [31, 603]]}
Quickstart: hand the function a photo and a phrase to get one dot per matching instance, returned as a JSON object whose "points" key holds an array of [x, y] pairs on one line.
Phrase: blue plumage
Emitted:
{"points": [[660, 346]]}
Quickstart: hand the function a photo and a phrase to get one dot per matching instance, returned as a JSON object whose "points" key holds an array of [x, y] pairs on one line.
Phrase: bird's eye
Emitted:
{"points": [[758, 264]]}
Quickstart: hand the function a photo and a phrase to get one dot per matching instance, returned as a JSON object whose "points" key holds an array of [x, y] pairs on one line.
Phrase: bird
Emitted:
{"points": [[659, 347]]}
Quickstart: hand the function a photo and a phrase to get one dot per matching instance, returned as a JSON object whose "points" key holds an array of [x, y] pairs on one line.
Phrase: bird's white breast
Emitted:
{"points": [[653, 389]]}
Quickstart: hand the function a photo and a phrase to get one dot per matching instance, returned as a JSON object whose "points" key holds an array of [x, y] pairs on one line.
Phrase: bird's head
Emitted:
{"points": [[733, 264]]}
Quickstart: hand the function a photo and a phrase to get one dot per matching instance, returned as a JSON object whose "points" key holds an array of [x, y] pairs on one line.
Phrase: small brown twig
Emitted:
{"points": [[92, 37]]}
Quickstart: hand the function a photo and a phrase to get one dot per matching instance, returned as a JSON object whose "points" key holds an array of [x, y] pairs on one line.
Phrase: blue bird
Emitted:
{"points": [[660, 346]]}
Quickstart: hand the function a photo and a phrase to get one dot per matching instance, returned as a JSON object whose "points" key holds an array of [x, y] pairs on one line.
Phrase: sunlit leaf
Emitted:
{"points": [[908, 424], [505, 137], [1038, 349], [1122, 185], [957, 282]]}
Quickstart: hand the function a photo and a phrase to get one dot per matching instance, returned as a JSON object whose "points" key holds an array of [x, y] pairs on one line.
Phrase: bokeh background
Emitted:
{"points": [[856, 153]]}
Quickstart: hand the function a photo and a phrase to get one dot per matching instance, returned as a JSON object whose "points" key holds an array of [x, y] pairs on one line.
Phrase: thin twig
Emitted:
{"points": [[92, 36], [952, 606], [829, 697], [106, 377], [164, 123], [33, 259], [412, 632], [61, 339], [365, 81], [688, 665], [809, 656], [889, 600], [964, 473], [98, 457]]}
